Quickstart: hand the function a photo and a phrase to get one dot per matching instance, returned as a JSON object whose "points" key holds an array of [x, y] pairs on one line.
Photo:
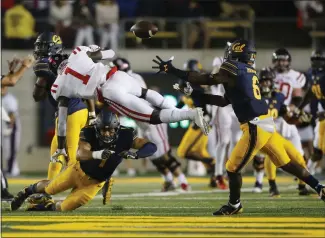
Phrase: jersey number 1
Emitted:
{"points": [[83, 78], [256, 88]]}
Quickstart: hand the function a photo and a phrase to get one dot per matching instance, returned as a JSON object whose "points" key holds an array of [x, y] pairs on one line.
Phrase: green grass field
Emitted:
{"points": [[138, 209]]}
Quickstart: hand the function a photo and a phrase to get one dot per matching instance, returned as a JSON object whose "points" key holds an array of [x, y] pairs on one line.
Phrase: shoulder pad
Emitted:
{"points": [[230, 67]]}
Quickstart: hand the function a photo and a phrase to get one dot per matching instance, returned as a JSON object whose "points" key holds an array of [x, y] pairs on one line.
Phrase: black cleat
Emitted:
{"points": [[303, 191], [19, 200], [321, 192], [274, 192], [168, 186], [227, 210], [6, 196]]}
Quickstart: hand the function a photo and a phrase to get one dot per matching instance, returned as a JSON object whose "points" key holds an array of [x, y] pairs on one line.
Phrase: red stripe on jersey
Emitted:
{"points": [[111, 72], [78, 48], [129, 110], [54, 85], [125, 113], [53, 91], [74, 52]]}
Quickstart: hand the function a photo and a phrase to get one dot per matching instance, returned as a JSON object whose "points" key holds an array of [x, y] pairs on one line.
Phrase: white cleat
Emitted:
{"points": [[257, 190], [200, 122]]}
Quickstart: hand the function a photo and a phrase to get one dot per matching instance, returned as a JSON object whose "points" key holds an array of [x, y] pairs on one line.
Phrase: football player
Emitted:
{"points": [[193, 145], [80, 77], [317, 91], [49, 54], [241, 84], [102, 148], [281, 114], [162, 159]]}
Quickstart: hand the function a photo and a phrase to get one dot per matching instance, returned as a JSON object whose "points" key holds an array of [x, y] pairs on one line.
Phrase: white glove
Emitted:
{"points": [[91, 118], [57, 153], [186, 90]]}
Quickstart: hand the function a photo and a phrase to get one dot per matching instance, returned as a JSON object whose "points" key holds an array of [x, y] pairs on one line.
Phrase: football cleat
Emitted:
{"points": [[47, 206], [200, 122], [39, 198], [168, 186], [19, 200], [107, 191], [5, 195], [274, 192], [213, 182], [185, 187], [303, 191], [221, 184], [227, 210], [321, 192], [258, 188]]}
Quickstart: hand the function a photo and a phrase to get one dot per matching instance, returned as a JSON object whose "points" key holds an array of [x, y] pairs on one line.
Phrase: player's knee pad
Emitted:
{"points": [[143, 93], [155, 118], [160, 164], [171, 163], [258, 162], [317, 155]]}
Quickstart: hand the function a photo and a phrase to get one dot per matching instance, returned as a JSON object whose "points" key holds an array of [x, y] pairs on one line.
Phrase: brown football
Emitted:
{"points": [[144, 29]]}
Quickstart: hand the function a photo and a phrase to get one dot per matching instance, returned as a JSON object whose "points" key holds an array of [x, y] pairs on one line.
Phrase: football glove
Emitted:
{"points": [[91, 118], [57, 154], [163, 66], [187, 90], [128, 155], [107, 154]]}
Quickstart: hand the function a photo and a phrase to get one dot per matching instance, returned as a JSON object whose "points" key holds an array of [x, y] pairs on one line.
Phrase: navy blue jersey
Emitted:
{"points": [[275, 103], [42, 69], [318, 86], [245, 95], [103, 169]]}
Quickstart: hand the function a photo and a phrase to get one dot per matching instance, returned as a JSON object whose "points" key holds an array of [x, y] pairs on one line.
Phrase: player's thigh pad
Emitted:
{"points": [[63, 181], [275, 150], [293, 153], [250, 143]]}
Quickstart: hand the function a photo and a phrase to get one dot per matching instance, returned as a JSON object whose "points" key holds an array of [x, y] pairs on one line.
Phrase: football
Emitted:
{"points": [[144, 29]]}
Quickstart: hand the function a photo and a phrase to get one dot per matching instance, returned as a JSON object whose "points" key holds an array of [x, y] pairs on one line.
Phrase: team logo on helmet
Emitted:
{"points": [[57, 39], [238, 47]]}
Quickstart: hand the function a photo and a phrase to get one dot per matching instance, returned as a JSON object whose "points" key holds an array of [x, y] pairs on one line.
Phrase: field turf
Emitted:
{"points": [[138, 209]]}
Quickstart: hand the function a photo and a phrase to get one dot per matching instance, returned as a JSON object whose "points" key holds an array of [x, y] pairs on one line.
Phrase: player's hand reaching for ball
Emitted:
{"points": [[163, 66]]}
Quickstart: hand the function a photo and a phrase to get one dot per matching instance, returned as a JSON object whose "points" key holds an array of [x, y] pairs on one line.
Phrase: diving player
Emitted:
{"points": [[281, 114], [242, 90], [102, 148], [49, 53], [193, 145], [80, 77], [317, 90]]}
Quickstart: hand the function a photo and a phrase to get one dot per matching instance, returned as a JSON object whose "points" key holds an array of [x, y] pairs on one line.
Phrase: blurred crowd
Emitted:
{"points": [[98, 21]]}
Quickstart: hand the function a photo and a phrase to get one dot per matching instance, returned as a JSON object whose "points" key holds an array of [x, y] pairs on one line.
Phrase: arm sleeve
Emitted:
{"points": [[212, 99]]}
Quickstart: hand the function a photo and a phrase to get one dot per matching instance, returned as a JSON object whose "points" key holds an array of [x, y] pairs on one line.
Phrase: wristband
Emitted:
{"points": [[92, 114], [97, 154]]}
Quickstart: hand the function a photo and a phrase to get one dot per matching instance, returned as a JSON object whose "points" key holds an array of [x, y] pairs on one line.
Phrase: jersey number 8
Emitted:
{"points": [[256, 88]]}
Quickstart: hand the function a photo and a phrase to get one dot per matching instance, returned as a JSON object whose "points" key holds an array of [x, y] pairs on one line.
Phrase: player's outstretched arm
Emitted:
{"points": [[101, 55], [62, 122], [91, 111], [309, 95], [190, 76]]}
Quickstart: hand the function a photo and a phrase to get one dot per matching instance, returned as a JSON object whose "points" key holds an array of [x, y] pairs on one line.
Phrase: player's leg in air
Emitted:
{"points": [[193, 146], [126, 98]]}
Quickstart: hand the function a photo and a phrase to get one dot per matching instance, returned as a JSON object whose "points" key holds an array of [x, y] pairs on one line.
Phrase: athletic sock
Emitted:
{"points": [[169, 177], [235, 183], [175, 115], [182, 178], [259, 175]]}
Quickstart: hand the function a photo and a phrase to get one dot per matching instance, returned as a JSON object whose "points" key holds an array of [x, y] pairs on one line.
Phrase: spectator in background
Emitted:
{"points": [[107, 16], [11, 132], [19, 26], [83, 19], [60, 17], [307, 10], [196, 28], [127, 8]]}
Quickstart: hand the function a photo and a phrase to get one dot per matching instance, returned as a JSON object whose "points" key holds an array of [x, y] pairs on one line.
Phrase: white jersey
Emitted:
{"points": [[288, 81], [139, 78], [79, 76]]}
